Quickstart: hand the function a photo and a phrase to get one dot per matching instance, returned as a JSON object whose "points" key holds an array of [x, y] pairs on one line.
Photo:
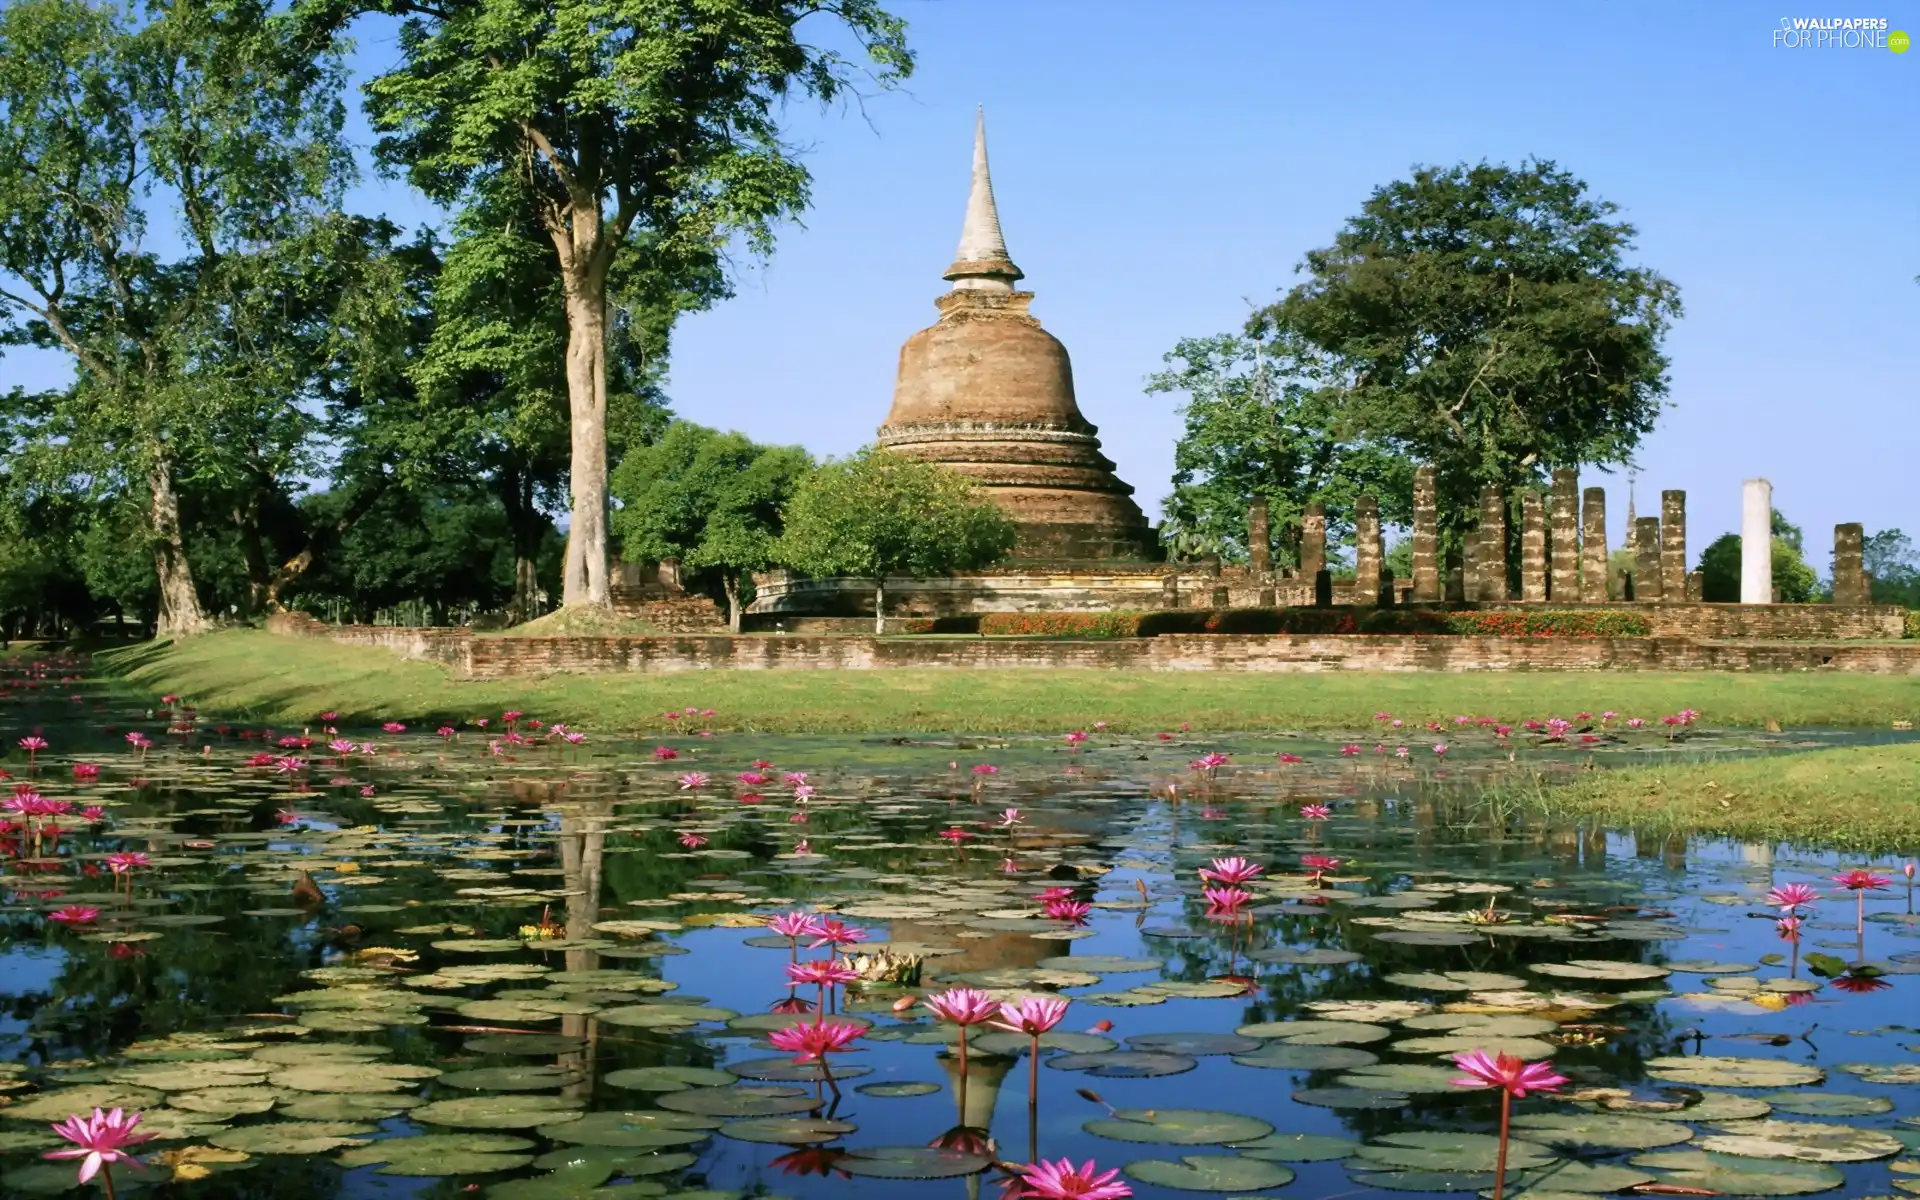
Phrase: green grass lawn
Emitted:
{"points": [[263, 676], [1865, 798]]}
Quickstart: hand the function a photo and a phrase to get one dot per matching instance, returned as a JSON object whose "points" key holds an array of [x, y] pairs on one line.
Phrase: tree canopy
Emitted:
{"points": [[1485, 319], [877, 514]]}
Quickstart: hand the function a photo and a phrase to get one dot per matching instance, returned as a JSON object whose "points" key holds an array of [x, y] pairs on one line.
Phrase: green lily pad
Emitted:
{"points": [[1456, 981], [1732, 1175], [663, 1016], [1432, 1150], [570, 1182], [1884, 1073], [1350, 1098], [898, 1090], [1419, 1181], [511, 1111], [1708, 967], [740, 1101], [1015, 1044], [61, 1103], [1605, 1131], [1194, 1045], [1487, 1024], [1708, 1070], [1601, 970], [1806, 1141], [435, 1154], [1828, 1104], [534, 1077], [617, 1159], [227, 1101], [1124, 1064], [1317, 1033], [1315, 957], [1567, 1178], [321, 1106], [1690, 1106], [632, 1129], [1104, 964], [786, 1131], [1411, 1078], [1282, 1056], [909, 1162], [1467, 1040], [1211, 1173], [665, 1079], [294, 1137], [361, 1077], [1178, 1127], [1298, 1147]]}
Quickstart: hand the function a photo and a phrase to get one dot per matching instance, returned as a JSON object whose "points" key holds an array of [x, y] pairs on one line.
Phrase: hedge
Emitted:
{"points": [[1497, 623]]}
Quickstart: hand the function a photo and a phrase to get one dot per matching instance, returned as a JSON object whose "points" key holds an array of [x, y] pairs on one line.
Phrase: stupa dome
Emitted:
{"points": [[988, 392]]}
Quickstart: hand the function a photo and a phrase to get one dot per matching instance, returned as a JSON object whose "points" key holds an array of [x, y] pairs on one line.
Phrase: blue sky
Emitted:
{"points": [[1161, 164]]}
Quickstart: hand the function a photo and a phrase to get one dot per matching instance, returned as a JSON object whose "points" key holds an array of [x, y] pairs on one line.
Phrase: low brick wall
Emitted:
{"points": [[500, 657]]}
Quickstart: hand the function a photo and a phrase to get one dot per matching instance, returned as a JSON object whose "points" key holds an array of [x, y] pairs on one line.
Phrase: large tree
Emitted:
{"points": [[712, 500], [643, 125], [1485, 319], [878, 514], [218, 114], [1260, 423]]}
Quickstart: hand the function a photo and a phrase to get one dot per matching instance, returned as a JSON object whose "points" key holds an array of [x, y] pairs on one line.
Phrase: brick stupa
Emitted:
{"points": [[987, 392]]}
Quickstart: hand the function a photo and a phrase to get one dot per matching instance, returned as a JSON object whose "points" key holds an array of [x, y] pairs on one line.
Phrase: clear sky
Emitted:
{"points": [[1162, 164]]}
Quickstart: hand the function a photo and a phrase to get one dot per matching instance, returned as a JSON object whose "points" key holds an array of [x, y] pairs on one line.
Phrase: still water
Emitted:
{"points": [[489, 961]]}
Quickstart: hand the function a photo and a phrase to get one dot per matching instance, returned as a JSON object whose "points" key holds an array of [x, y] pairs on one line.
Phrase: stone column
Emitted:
{"points": [[1563, 517], [1593, 548], [1646, 559], [1368, 555], [1493, 545], [1533, 547], [1673, 545], [1313, 539], [1426, 535], [1849, 569], [1470, 565], [1259, 538], [1170, 590], [1756, 542]]}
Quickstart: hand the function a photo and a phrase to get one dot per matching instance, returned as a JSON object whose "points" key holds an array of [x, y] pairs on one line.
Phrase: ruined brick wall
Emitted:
{"points": [[446, 645]]}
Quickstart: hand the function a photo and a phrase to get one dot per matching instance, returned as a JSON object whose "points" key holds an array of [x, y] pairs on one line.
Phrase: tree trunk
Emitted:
{"points": [[583, 270], [525, 525], [879, 606], [731, 582], [246, 518], [179, 614]]}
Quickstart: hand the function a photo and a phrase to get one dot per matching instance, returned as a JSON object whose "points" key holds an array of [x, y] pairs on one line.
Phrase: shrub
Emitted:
{"points": [[1062, 624], [1599, 622], [1913, 622]]}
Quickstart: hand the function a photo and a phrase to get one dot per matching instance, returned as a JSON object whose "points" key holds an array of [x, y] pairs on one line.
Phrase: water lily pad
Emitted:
{"points": [[664, 1079], [1731, 1175], [362, 1077], [61, 1103], [904, 1088], [1020, 1043], [1368, 1011], [740, 1101], [436, 1154], [632, 1129], [1688, 1106], [294, 1137], [1709, 1070], [1104, 964], [1317, 1033], [1455, 981], [1433, 1150], [532, 1078], [1806, 1141], [1283, 1056], [786, 1131], [227, 1101], [1411, 1078], [663, 1016], [1709, 967], [785, 1070], [1298, 1147], [1468, 1040], [909, 1162], [1211, 1173], [512, 1111], [1569, 1179], [1601, 970], [1312, 957], [1124, 1064], [318, 1106], [1828, 1104], [1178, 1127], [1350, 1098], [1197, 1045], [1884, 1073], [1604, 1131], [569, 1182], [1419, 1181]]}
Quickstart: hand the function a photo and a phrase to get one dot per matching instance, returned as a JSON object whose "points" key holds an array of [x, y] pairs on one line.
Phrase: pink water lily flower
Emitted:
{"points": [[1232, 871], [1063, 1181], [795, 924], [693, 781], [963, 1006], [1315, 812], [692, 841], [99, 1139], [1032, 1015], [1010, 818], [1793, 895], [835, 932], [75, 914], [1516, 1075]]}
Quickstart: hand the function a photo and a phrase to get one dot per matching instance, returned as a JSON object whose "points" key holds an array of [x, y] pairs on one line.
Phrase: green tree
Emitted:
{"points": [[216, 112], [878, 514], [1484, 319], [1261, 423], [711, 500], [1890, 559], [1794, 582], [642, 127]]}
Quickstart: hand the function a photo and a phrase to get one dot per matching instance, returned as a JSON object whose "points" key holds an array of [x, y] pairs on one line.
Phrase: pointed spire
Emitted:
{"points": [[982, 262]]}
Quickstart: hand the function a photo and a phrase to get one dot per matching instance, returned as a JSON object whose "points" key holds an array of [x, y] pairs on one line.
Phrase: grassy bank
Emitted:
{"points": [[1864, 798], [247, 673]]}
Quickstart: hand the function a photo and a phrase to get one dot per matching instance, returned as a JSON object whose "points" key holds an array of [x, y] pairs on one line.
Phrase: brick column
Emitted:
{"points": [[1368, 555], [1259, 538], [1593, 548], [1673, 545], [1470, 565], [1563, 519], [1646, 559], [1426, 535], [1849, 564], [1493, 544], [1313, 540], [1533, 547]]}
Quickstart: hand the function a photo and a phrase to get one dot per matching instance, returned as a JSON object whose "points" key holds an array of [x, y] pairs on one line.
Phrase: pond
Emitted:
{"points": [[495, 961]]}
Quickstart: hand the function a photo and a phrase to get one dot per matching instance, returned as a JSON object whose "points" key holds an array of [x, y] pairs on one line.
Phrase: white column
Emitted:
{"points": [[1756, 542]]}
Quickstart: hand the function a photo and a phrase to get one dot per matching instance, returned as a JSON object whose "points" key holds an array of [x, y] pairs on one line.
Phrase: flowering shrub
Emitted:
{"points": [[1913, 623], [1500, 623]]}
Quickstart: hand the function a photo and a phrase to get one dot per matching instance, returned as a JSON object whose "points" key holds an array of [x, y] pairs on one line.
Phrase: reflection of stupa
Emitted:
{"points": [[989, 393]]}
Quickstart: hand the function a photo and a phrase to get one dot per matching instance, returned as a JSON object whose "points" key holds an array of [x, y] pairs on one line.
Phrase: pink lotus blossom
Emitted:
{"points": [[1515, 1075], [98, 1139], [692, 841], [824, 973], [985, 769], [812, 1042], [1350, 750], [1861, 880], [1063, 1181], [393, 727], [1031, 1015], [1076, 737], [1009, 818], [1316, 812], [1073, 912], [956, 835], [963, 1006], [835, 932], [1233, 871], [75, 914], [85, 771], [1793, 895], [93, 814], [795, 924], [1290, 759], [693, 781], [127, 860], [1229, 899], [665, 753]]}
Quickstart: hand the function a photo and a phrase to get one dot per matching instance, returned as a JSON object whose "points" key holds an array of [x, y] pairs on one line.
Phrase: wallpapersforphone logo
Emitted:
{"points": [[1840, 33]]}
